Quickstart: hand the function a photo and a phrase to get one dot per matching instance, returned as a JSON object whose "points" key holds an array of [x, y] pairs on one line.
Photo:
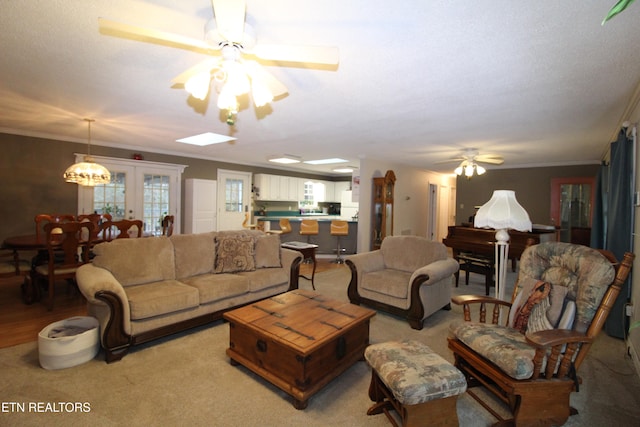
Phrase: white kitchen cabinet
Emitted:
{"points": [[200, 214]]}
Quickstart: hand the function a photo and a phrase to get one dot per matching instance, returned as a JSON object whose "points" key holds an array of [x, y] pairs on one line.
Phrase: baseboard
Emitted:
{"points": [[634, 356]]}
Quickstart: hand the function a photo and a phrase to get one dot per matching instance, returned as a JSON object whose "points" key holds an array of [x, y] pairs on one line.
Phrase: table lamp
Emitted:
{"points": [[502, 212]]}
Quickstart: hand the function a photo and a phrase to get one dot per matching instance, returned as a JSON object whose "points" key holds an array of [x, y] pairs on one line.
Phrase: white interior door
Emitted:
{"points": [[234, 198]]}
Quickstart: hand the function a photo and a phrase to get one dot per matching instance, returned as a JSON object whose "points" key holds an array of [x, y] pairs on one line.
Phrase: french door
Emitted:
{"points": [[138, 190]]}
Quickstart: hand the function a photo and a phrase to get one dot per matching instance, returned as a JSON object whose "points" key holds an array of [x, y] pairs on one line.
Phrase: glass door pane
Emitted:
{"points": [[575, 209], [111, 198], [156, 192]]}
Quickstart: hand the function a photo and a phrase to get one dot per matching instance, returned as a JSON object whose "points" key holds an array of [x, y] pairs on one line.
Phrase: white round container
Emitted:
{"points": [[80, 344]]}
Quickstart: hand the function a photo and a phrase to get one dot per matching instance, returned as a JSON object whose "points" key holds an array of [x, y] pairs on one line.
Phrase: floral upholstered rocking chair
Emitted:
{"points": [[561, 300]]}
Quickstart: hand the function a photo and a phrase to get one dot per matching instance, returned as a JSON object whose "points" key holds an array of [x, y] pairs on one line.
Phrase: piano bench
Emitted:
{"points": [[474, 263]]}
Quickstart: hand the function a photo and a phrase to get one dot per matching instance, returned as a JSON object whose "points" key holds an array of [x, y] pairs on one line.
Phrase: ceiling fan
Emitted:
{"points": [[470, 159], [234, 67]]}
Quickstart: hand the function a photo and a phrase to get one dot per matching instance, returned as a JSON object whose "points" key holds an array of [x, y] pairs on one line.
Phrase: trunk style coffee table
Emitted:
{"points": [[299, 341]]}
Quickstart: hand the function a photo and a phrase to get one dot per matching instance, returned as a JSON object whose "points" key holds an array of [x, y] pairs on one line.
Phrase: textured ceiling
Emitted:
{"points": [[540, 83]]}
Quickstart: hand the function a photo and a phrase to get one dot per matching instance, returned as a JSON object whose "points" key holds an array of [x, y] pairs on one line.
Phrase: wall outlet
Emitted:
{"points": [[628, 309]]}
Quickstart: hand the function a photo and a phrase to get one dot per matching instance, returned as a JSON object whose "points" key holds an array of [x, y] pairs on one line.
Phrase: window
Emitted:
{"points": [[110, 198], [156, 202], [233, 195]]}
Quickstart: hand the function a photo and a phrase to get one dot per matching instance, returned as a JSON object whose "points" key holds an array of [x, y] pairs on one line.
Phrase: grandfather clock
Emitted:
{"points": [[382, 208]]}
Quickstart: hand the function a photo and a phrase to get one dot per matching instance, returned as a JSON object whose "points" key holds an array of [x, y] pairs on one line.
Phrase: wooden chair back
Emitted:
{"points": [[125, 228], [167, 225], [66, 250], [42, 219]]}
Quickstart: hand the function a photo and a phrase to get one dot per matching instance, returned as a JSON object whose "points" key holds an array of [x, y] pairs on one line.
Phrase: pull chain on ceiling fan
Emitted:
{"points": [[231, 41]]}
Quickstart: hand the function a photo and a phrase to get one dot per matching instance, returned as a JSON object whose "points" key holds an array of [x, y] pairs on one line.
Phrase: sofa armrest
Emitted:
{"points": [[436, 271], [92, 279]]}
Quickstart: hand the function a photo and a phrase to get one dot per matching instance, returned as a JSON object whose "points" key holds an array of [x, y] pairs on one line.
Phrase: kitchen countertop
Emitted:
{"points": [[320, 217]]}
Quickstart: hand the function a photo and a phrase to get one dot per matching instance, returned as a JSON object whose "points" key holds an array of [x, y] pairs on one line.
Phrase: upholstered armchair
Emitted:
{"points": [[409, 276], [531, 359]]}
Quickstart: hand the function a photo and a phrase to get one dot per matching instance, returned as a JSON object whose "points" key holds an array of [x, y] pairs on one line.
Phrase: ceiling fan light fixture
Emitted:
{"points": [[198, 85], [480, 170], [458, 170], [260, 93], [227, 99], [87, 173]]}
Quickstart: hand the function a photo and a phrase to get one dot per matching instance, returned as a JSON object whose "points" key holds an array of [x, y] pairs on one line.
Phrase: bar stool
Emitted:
{"points": [[309, 227], [339, 229], [285, 227], [245, 223]]}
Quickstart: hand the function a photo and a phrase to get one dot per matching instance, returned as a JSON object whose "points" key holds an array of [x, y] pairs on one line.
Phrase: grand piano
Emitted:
{"points": [[481, 241], [474, 248]]}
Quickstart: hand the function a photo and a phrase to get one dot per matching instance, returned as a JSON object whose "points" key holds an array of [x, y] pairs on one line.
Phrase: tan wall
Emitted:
{"points": [[31, 175], [532, 187]]}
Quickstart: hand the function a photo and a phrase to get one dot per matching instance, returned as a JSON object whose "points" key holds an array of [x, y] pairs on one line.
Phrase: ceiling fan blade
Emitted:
{"points": [[203, 66], [489, 158], [295, 53], [163, 38], [230, 18], [453, 160], [257, 71]]}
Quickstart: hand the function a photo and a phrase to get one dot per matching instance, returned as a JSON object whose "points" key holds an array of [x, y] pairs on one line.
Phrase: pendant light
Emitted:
{"points": [[87, 173]]}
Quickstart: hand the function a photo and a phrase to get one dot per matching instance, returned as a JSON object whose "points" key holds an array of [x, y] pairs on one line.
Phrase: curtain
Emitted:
{"points": [[619, 222], [599, 222]]}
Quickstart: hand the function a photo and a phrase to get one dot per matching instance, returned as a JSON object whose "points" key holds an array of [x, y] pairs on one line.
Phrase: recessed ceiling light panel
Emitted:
{"points": [[285, 159], [206, 139], [345, 169], [325, 161]]}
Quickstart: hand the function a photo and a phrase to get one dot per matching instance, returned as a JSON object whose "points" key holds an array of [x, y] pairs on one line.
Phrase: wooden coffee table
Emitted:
{"points": [[299, 341]]}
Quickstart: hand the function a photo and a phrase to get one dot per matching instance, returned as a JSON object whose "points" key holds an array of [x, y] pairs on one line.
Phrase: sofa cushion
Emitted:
{"points": [[235, 252], [390, 282], [265, 278], [155, 299], [268, 251], [194, 253], [408, 253], [137, 261], [214, 287]]}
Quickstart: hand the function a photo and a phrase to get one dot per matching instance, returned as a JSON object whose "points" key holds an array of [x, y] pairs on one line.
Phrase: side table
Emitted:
{"points": [[308, 251]]}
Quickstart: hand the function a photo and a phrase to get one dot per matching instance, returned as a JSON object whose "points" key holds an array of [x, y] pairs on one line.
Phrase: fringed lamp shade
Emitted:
{"points": [[502, 212], [87, 173]]}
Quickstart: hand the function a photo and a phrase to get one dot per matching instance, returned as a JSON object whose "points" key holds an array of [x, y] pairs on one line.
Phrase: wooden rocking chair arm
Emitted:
{"points": [[554, 337], [477, 299]]}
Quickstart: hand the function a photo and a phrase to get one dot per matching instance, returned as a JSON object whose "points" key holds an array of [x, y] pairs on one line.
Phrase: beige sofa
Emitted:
{"points": [[409, 276], [146, 288]]}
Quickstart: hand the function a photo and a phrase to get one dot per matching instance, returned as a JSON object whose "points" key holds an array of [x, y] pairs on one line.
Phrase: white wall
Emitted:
{"points": [[411, 203]]}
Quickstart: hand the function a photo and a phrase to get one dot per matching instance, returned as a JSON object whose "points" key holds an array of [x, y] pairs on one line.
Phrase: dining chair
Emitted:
{"points": [[42, 220], [11, 265], [96, 219], [167, 225], [126, 228], [66, 252]]}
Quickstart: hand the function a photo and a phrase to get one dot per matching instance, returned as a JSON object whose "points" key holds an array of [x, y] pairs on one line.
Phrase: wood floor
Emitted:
{"points": [[20, 323]]}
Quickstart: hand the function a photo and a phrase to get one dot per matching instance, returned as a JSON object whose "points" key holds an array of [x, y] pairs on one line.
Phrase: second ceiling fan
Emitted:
{"points": [[234, 68]]}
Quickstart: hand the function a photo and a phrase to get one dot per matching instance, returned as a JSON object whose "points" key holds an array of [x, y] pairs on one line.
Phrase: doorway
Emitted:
{"points": [[572, 201], [234, 198]]}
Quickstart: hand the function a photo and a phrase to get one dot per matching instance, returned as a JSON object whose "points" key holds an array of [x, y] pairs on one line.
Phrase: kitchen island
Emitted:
{"points": [[325, 241]]}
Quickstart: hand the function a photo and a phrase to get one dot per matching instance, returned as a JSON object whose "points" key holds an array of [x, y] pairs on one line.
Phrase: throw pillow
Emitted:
{"points": [[268, 251], [535, 291], [235, 253]]}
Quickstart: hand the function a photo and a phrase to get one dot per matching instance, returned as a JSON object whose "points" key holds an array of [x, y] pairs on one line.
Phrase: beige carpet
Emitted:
{"points": [[187, 380]]}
